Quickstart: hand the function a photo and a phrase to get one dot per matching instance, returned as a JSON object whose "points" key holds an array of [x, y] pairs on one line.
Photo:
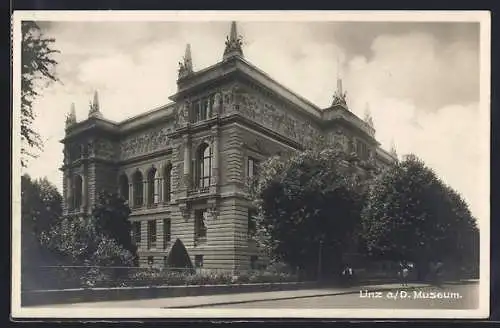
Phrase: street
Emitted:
{"points": [[388, 296], [459, 297]]}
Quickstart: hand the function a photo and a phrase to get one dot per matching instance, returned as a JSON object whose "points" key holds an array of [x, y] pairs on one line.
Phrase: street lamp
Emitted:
{"points": [[320, 251]]}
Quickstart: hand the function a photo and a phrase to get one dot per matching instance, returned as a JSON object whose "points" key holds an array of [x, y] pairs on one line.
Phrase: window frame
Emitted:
{"points": [[152, 237]]}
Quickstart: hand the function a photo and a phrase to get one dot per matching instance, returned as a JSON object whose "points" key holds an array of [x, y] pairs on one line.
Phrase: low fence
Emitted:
{"points": [[71, 277]]}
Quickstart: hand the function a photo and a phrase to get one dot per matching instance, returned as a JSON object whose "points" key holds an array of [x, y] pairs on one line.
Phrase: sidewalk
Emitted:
{"points": [[222, 299]]}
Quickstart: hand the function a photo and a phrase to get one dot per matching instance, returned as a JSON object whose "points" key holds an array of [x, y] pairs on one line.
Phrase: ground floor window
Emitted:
{"points": [[253, 262], [136, 231], [152, 234], [151, 260], [198, 261]]}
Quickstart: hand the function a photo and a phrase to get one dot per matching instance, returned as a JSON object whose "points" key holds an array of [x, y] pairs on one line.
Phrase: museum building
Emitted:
{"points": [[184, 167]]}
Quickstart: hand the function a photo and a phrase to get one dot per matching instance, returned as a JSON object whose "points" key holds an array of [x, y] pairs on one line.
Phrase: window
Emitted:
{"points": [[362, 149], [153, 187], [136, 231], [138, 189], [252, 167], [77, 192], [124, 186], [203, 166], [166, 232], [200, 229], [152, 234], [198, 261], [151, 260], [252, 226], [253, 262], [167, 183], [201, 109]]}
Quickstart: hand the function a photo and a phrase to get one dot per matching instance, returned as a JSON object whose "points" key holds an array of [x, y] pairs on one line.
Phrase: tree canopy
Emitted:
{"points": [[410, 214], [101, 239], [37, 70], [309, 199]]}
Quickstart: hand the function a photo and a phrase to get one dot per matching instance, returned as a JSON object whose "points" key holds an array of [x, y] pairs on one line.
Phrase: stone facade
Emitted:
{"points": [[187, 162]]}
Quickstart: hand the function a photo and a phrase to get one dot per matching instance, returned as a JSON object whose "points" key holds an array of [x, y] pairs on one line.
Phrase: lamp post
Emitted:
{"points": [[320, 255]]}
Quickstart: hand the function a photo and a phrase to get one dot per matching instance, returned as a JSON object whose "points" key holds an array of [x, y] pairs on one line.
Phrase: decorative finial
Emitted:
{"points": [[94, 110], [71, 117], [368, 115], [393, 150], [339, 97], [186, 66], [233, 43]]}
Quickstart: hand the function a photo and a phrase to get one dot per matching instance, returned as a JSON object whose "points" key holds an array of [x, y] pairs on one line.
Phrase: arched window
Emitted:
{"points": [[204, 165], [77, 191], [152, 187], [167, 183], [123, 183], [138, 189]]}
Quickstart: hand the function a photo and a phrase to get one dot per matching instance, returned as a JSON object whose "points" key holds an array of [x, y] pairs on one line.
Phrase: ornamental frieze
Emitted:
{"points": [[145, 143], [275, 118]]}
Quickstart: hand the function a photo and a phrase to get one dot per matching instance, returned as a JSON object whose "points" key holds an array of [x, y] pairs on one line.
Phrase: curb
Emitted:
{"points": [[290, 297]]}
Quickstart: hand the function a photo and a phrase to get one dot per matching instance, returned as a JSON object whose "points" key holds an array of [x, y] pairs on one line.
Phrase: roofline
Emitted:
{"points": [[146, 113]]}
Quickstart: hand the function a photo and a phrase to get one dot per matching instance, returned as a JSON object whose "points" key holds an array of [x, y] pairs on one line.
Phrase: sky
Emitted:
{"points": [[419, 80]]}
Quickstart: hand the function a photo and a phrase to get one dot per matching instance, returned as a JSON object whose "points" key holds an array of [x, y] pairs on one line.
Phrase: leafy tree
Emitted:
{"points": [[38, 69], [411, 215], [41, 207], [309, 201], [77, 240], [102, 238], [111, 213]]}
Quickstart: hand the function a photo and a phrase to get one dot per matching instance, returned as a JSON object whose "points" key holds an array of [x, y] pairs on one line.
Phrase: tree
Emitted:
{"points": [[411, 215], [41, 208], [77, 241], [308, 204], [38, 69], [111, 213]]}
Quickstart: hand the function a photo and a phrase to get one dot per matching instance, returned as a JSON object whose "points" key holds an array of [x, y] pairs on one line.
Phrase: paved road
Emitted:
{"points": [[459, 297], [463, 296]]}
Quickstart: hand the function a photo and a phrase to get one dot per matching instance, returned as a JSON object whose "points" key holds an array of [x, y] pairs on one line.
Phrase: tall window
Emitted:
{"points": [[253, 262], [252, 225], [124, 186], [136, 232], [167, 183], [152, 234], [252, 167], [198, 261], [138, 189], [77, 191], [200, 229], [153, 187], [166, 232], [204, 166], [202, 109], [362, 149]]}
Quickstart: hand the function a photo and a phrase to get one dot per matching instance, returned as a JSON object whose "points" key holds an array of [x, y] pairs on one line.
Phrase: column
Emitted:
{"points": [[215, 158], [145, 200], [69, 194], [84, 192], [131, 201], [187, 163]]}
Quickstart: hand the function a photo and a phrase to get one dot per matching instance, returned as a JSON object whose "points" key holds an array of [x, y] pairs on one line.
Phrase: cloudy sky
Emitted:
{"points": [[420, 80]]}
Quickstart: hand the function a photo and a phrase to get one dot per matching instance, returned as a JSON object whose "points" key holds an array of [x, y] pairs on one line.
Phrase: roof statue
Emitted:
{"points": [[368, 116], [339, 97], [71, 116], [94, 110], [233, 43], [186, 66], [393, 150]]}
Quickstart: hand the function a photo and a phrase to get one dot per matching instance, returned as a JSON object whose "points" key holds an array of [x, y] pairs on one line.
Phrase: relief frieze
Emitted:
{"points": [[144, 143], [273, 117]]}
